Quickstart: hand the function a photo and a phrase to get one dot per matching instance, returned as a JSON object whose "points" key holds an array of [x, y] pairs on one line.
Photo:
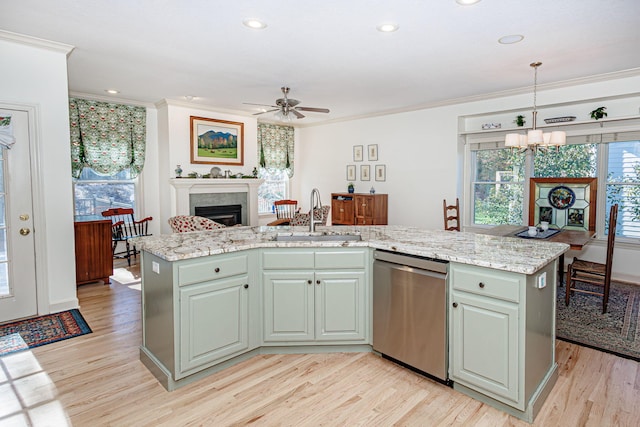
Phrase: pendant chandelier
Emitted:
{"points": [[535, 139]]}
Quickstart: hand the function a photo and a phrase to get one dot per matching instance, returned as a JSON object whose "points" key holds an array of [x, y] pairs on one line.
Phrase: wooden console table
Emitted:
{"points": [[94, 257], [358, 209]]}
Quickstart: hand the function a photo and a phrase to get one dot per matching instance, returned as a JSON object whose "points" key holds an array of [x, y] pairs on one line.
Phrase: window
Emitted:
{"points": [[94, 193], [499, 176], [498, 187], [623, 185], [274, 187]]}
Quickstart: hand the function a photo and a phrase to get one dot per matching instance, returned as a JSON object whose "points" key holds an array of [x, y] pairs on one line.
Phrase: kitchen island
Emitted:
{"points": [[211, 299]]}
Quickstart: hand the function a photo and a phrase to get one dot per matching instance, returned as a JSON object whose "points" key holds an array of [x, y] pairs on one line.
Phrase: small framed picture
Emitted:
{"points": [[372, 151], [365, 173], [381, 173], [358, 155], [351, 172]]}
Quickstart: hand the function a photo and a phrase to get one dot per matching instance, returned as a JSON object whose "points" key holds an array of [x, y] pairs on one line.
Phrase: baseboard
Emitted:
{"points": [[63, 306]]}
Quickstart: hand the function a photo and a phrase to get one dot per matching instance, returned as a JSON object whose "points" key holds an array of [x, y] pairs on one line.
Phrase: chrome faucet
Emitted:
{"points": [[315, 193]]}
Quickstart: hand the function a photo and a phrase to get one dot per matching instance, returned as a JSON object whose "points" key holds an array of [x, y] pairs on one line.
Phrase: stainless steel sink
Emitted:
{"points": [[318, 238]]}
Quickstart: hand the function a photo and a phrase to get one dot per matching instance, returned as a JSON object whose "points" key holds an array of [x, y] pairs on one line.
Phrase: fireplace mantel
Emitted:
{"points": [[185, 186]]}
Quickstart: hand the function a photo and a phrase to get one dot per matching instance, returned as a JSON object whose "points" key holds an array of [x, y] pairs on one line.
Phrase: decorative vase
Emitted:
{"points": [[178, 171], [350, 189]]}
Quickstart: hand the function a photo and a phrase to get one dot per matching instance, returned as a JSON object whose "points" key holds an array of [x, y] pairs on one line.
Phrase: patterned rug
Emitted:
{"points": [[41, 330], [616, 331]]}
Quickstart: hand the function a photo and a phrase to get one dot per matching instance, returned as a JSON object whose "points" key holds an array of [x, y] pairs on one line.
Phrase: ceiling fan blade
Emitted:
{"points": [[297, 113], [262, 112], [317, 110], [262, 105]]}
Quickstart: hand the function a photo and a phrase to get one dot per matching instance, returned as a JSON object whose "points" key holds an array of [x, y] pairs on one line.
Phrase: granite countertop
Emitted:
{"points": [[502, 253]]}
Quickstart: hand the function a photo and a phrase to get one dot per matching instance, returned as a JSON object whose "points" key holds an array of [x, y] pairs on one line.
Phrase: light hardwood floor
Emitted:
{"points": [[97, 380]]}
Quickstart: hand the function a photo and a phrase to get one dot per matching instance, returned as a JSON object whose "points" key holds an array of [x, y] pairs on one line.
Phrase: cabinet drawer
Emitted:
{"points": [[212, 269], [341, 259], [283, 260], [495, 284]]}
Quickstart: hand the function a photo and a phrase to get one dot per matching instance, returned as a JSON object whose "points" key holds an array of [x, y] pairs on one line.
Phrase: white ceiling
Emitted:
{"points": [[329, 52]]}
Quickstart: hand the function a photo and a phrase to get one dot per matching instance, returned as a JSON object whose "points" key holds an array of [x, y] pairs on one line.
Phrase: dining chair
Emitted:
{"points": [[285, 211], [451, 215], [593, 275], [125, 227], [186, 223]]}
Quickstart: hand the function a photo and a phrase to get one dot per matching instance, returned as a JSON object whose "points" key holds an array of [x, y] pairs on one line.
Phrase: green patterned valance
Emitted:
{"points": [[275, 147], [106, 137]]}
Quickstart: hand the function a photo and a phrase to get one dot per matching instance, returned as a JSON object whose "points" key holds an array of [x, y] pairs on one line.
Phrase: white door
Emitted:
{"points": [[17, 249]]}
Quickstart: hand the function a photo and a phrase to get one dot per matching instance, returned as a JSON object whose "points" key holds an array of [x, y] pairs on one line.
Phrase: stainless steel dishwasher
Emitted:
{"points": [[409, 311]]}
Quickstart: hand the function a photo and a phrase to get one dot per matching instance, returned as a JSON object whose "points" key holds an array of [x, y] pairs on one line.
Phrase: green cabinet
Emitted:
{"points": [[196, 313], [214, 321], [485, 339], [315, 296], [502, 336]]}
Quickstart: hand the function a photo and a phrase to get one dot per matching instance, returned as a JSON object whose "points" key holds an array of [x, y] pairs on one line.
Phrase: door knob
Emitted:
{"points": [[455, 304], [25, 231]]}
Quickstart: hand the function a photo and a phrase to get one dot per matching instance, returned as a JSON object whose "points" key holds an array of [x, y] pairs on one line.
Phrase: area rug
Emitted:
{"points": [[616, 331], [41, 330]]}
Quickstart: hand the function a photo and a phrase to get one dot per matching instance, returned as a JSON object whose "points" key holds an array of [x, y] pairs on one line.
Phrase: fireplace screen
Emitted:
{"points": [[228, 215]]}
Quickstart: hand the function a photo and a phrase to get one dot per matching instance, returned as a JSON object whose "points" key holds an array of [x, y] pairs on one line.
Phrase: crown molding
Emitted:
{"points": [[36, 42], [633, 72]]}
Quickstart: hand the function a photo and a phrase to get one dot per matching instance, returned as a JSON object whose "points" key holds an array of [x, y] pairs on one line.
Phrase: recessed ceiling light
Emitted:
{"points": [[388, 27], [467, 2], [510, 39], [254, 24], [112, 91]]}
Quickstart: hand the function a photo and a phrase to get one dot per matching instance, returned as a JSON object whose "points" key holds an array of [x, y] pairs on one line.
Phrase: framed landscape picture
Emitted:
{"points": [[217, 142]]}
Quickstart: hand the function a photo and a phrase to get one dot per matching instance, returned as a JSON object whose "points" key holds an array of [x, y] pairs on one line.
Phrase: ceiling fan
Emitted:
{"points": [[284, 106]]}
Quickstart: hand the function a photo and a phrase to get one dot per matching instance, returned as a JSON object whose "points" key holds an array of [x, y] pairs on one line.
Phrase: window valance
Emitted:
{"points": [[276, 147], [107, 137]]}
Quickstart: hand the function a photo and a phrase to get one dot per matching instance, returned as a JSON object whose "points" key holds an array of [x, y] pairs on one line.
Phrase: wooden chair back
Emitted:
{"points": [[451, 215], [124, 227], [286, 209], [593, 273]]}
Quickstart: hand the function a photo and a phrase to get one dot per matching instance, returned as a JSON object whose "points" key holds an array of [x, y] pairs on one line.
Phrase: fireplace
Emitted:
{"points": [[228, 215]]}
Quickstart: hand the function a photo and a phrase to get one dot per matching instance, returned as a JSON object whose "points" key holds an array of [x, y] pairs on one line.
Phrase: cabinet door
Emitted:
{"points": [[364, 206], [484, 346], [340, 306], [213, 321], [288, 306], [342, 212]]}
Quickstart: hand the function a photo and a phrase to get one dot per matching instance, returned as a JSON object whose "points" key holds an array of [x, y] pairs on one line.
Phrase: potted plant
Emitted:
{"points": [[350, 187], [599, 113], [519, 121]]}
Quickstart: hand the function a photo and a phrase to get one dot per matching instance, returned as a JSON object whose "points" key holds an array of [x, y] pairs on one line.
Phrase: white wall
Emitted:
{"points": [[38, 76], [423, 155], [174, 146]]}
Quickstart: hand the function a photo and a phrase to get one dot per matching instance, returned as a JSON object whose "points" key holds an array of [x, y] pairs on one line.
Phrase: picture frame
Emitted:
{"points": [[357, 153], [569, 203], [381, 173], [365, 173], [351, 173], [372, 152], [216, 142]]}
